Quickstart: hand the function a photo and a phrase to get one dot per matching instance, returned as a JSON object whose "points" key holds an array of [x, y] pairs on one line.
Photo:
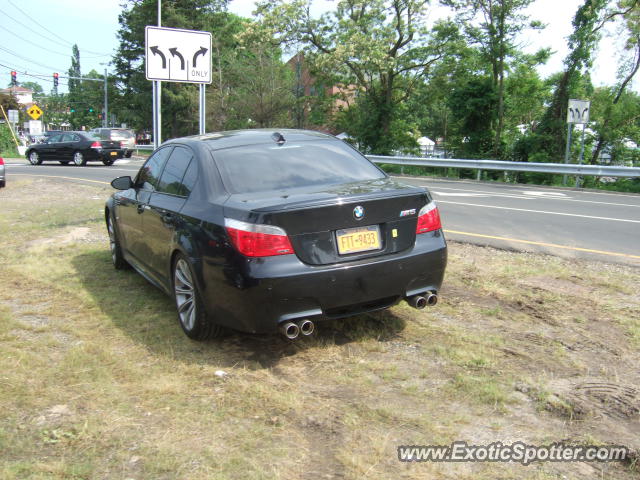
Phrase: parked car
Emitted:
{"points": [[126, 137], [76, 147], [261, 231], [3, 178]]}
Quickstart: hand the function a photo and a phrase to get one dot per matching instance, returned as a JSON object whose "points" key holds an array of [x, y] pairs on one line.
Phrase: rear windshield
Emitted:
{"points": [[117, 134], [257, 168], [91, 136]]}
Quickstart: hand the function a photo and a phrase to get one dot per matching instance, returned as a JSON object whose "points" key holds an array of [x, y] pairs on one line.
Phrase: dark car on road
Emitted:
{"points": [[3, 180], [261, 231], [76, 147], [126, 138]]}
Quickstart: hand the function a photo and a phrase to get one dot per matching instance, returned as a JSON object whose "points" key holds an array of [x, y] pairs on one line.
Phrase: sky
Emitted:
{"points": [[37, 36]]}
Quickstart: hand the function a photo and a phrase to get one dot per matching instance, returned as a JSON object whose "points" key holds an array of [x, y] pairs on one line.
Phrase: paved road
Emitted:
{"points": [[565, 222]]}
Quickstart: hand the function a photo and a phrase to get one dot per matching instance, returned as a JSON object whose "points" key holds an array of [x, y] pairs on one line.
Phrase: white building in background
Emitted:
{"points": [[427, 146], [24, 96]]}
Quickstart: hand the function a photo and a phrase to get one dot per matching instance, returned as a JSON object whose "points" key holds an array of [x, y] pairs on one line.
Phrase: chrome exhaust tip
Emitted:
{"points": [[290, 330], [306, 327], [432, 299], [417, 301]]}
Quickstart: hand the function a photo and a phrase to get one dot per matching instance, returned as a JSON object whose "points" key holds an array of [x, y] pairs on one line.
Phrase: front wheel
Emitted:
{"points": [[78, 159], [34, 158], [191, 312]]}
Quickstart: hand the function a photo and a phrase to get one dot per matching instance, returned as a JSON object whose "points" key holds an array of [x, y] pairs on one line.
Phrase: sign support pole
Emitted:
{"points": [[567, 150], [203, 120], [578, 179], [157, 98]]}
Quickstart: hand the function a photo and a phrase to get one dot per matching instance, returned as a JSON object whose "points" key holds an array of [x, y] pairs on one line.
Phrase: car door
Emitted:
{"points": [[66, 147], [162, 218], [47, 150], [133, 204]]}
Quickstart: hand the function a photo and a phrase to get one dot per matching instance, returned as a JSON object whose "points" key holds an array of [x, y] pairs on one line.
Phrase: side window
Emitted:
{"points": [[177, 165], [150, 171], [190, 177], [55, 138]]}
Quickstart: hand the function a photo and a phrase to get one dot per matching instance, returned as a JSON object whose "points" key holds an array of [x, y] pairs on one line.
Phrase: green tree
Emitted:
{"points": [[381, 48], [613, 115], [493, 25], [587, 22]]}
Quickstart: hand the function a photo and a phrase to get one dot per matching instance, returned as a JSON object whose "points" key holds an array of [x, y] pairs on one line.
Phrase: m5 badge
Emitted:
{"points": [[406, 213]]}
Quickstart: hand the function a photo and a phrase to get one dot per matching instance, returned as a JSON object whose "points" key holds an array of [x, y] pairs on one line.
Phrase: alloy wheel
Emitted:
{"points": [[185, 294]]}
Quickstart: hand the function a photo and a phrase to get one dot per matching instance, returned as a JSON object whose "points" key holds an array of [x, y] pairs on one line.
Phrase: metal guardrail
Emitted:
{"points": [[559, 168]]}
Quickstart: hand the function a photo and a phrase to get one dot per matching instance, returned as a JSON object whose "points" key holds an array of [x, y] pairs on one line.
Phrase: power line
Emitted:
{"points": [[48, 67], [33, 43], [33, 75], [68, 44]]}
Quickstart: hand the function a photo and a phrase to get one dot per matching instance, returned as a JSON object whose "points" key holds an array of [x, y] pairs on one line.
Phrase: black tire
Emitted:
{"points": [[128, 154], [192, 315], [78, 159], [114, 245], [108, 162], [34, 157], [64, 162], [3, 183]]}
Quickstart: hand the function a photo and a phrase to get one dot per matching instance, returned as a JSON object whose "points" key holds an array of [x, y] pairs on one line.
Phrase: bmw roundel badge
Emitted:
{"points": [[358, 212]]}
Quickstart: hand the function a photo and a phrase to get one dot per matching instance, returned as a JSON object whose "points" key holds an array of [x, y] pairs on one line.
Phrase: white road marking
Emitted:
{"points": [[563, 199], [543, 211], [543, 194]]}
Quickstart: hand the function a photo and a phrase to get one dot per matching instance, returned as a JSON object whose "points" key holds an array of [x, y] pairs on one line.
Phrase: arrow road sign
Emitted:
{"points": [[34, 112], [175, 55], [158, 52], [578, 111]]}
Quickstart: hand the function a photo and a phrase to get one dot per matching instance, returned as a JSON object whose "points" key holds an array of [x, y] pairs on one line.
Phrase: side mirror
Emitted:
{"points": [[122, 183]]}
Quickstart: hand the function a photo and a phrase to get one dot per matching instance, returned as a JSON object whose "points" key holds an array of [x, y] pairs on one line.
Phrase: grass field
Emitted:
{"points": [[97, 381]]}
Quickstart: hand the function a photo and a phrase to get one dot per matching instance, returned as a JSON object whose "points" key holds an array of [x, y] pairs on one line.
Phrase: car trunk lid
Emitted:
{"points": [[338, 223]]}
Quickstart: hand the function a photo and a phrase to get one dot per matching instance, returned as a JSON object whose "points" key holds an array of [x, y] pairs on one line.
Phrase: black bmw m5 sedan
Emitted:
{"points": [[264, 230]]}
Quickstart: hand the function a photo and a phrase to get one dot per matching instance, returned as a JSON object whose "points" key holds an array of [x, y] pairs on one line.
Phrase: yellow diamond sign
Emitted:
{"points": [[34, 112]]}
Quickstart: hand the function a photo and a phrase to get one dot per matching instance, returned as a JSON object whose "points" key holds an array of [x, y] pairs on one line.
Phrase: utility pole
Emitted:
{"points": [[105, 122]]}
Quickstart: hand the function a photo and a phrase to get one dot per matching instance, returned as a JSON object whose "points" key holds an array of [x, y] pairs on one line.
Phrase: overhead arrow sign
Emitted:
{"points": [[189, 59]]}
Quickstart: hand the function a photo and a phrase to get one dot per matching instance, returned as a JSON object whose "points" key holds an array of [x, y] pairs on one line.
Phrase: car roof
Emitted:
{"points": [[237, 138]]}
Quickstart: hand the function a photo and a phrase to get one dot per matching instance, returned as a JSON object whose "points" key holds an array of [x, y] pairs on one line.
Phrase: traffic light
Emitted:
{"points": [[99, 116], [72, 109], [14, 78], [55, 79], [90, 109]]}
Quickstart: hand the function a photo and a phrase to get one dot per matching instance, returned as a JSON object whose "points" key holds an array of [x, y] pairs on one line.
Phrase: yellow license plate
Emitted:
{"points": [[361, 239], [114, 154]]}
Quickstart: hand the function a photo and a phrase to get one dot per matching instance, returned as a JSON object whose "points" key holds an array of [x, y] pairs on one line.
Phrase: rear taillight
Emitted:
{"points": [[428, 219], [254, 240], [96, 145], [1, 161]]}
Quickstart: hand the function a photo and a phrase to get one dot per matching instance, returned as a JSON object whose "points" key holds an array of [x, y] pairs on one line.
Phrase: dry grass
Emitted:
{"points": [[97, 380]]}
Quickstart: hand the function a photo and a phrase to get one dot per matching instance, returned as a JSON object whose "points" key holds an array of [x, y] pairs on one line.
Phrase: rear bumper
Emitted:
{"points": [[107, 155], [257, 295]]}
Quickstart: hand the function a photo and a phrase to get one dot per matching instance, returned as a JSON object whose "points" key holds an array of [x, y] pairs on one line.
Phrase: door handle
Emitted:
{"points": [[142, 208]]}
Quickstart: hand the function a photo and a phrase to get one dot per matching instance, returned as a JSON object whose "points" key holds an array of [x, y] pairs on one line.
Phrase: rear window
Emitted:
{"points": [[257, 168], [91, 136], [120, 134]]}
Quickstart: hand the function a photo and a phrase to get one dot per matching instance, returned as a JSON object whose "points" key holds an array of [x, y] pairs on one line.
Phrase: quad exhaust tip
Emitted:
{"points": [[292, 330], [306, 327], [419, 302]]}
